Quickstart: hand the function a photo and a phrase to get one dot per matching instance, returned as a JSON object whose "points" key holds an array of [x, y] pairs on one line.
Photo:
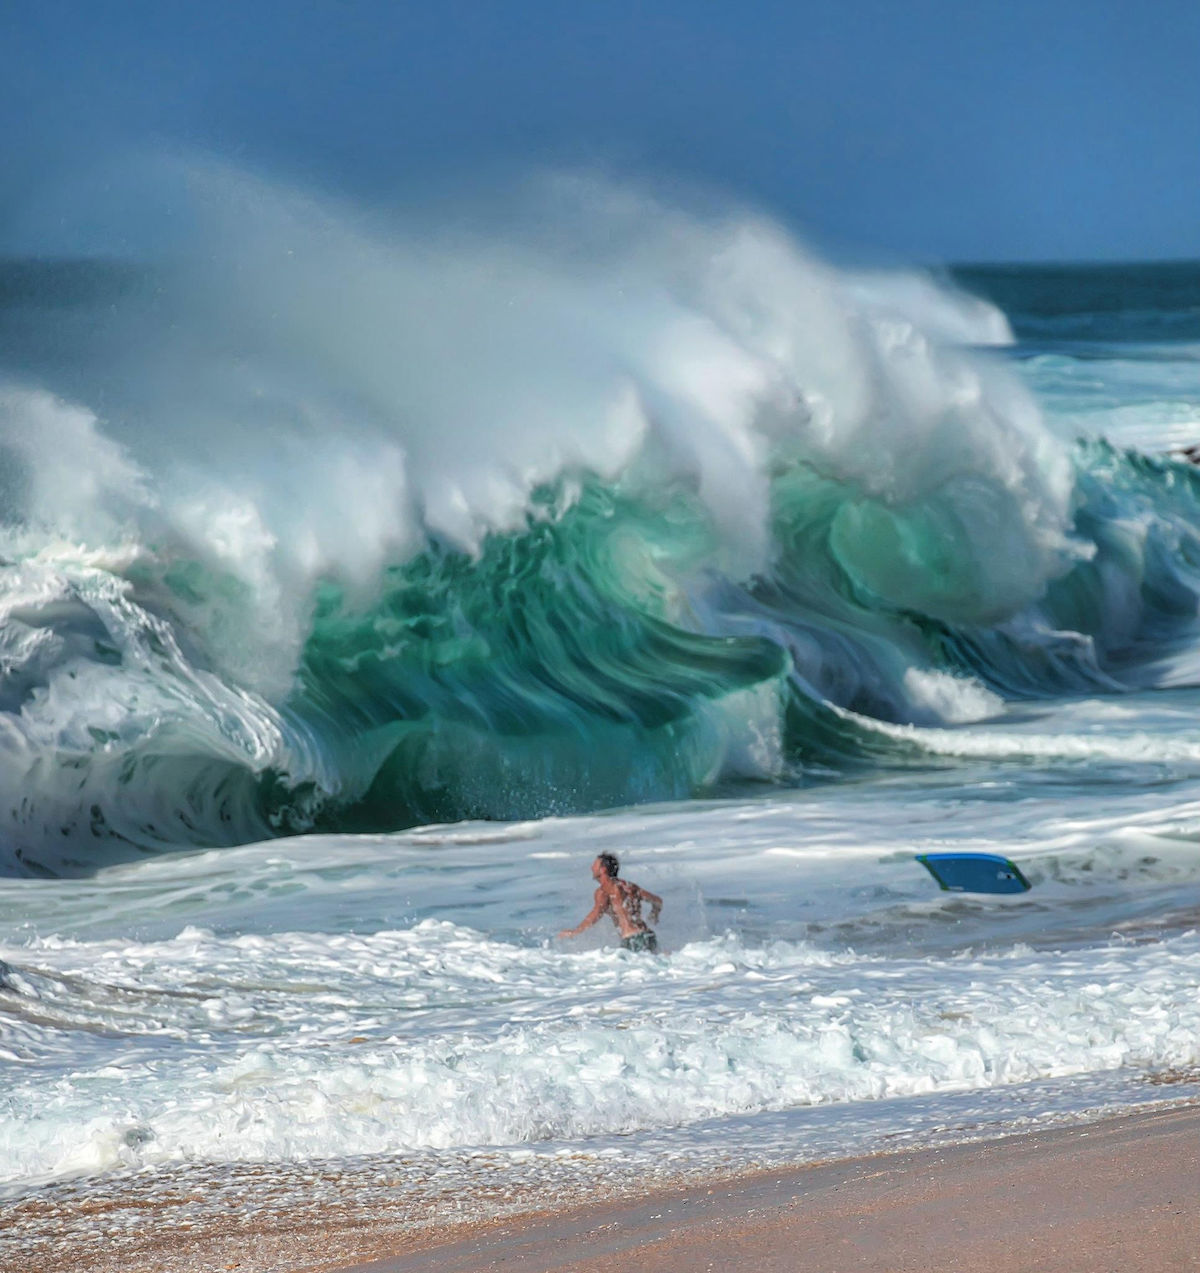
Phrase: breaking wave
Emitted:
{"points": [[323, 519]]}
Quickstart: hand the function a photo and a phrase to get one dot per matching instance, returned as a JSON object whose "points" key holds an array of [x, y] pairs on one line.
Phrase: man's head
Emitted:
{"points": [[606, 865]]}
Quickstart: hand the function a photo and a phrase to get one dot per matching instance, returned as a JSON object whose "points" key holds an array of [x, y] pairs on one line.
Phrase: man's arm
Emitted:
{"points": [[655, 901], [590, 918]]}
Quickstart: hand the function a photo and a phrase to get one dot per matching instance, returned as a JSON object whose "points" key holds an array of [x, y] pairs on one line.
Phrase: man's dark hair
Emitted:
{"points": [[610, 865]]}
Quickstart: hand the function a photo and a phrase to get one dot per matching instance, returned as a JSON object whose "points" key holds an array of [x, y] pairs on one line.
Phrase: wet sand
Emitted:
{"points": [[1121, 1195]]}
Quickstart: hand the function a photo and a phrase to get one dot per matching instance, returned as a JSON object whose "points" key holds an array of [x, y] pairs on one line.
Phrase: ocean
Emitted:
{"points": [[362, 578]]}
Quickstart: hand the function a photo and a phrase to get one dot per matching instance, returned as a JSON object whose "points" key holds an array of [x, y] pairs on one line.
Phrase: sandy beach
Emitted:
{"points": [[1123, 1194], [1117, 1194]]}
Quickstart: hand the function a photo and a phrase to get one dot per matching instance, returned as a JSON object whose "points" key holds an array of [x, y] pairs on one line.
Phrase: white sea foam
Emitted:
{"points": [[952, 699], [298, 1046], [843, 978], [1133, 746]]}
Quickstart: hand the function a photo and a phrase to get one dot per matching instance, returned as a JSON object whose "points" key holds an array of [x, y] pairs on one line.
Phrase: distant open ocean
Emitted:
{"points": [[358, 584]]}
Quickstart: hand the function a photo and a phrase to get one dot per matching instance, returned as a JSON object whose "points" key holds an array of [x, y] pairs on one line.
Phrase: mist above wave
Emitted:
{"points": [[302, 389]]}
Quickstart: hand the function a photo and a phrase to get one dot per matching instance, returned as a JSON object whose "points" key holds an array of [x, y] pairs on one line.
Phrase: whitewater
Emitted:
{"points": [[363, 574]]}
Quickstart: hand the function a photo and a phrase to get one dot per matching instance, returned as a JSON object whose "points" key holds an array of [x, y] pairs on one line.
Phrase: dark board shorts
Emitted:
{"points": [[641, 941]]}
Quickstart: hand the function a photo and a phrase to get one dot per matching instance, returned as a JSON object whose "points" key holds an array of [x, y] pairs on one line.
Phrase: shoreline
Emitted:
{"points": [[1132, 1186], [1121, 1194]]}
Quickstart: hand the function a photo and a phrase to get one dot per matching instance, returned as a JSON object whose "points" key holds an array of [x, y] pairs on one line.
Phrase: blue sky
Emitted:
{"points": [[925, 130]]}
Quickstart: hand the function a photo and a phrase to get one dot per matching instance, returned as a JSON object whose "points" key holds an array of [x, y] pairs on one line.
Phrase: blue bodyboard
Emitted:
{"points": [[974, 872]]}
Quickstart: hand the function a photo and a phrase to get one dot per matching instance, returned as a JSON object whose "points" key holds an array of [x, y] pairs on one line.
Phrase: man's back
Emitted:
{"points": [[622, 899]]}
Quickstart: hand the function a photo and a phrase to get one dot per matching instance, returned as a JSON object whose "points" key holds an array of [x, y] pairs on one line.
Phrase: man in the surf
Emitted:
{"points": [[623, 901]]}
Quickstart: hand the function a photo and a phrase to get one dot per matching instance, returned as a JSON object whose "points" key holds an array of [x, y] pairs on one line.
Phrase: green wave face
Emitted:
{"points": [[599, 657], [557, 670]]}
